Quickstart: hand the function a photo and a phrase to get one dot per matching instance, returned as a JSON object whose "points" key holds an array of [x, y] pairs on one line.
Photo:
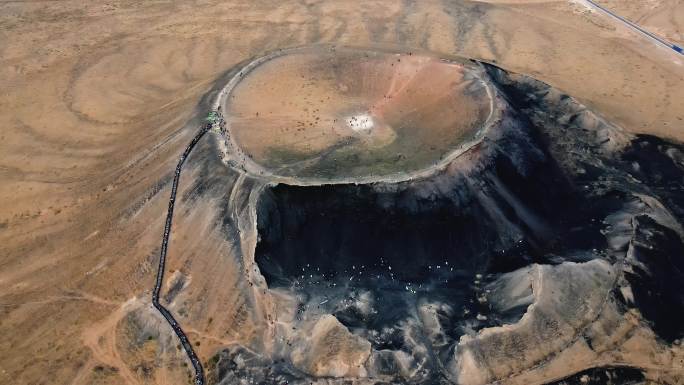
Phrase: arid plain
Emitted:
{"points": [[98, 100]]}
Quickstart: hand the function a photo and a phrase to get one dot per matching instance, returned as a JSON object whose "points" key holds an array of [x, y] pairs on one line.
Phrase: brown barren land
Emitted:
{"points": [[99, 99]]}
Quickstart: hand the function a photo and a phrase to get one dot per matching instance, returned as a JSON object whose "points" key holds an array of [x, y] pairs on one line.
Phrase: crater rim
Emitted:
{"points": [[233, 155]]}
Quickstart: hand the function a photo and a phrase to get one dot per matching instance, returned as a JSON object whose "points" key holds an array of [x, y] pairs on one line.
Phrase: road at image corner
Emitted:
{"points": [[658, 40]]}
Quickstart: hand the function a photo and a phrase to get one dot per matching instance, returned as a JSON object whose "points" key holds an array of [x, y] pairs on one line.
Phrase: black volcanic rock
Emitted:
{"points": [[657, 263], [604, 376]]}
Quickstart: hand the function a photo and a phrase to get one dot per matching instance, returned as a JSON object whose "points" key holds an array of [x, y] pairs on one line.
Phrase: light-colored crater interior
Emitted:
{"points": [[335, 113]]}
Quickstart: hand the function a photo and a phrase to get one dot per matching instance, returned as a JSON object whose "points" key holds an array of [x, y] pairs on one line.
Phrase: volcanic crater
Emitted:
{"points": [[409, 218]]}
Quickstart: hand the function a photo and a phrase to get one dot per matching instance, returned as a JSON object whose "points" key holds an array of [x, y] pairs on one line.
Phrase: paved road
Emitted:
{"points": [[187, 346], [658, 40]]}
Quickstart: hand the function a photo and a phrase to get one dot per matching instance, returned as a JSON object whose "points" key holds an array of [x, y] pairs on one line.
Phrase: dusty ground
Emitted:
{"points": [[95, 100]]}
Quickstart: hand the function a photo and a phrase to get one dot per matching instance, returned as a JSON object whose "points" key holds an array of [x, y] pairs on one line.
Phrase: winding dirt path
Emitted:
{"points": [[101, 339]]}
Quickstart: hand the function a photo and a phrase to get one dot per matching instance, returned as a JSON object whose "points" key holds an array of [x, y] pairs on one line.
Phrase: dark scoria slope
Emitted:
{"points": [[643, 179]]}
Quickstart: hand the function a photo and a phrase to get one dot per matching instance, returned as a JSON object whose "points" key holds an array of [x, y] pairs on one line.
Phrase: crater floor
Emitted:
{"points": [[346, 114]]}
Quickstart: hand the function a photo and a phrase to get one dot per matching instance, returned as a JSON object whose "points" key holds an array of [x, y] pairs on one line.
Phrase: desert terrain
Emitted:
{"points": [[99, 100]]}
